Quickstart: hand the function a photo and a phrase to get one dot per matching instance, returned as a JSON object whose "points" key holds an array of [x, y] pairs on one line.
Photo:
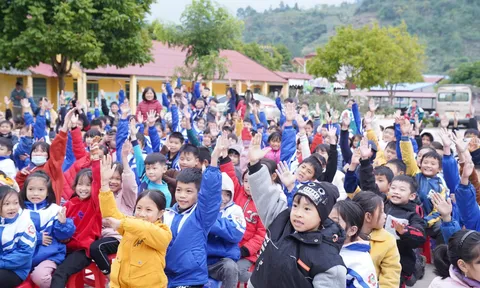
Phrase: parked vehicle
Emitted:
{"points": [[460, 98], [271, 109]]}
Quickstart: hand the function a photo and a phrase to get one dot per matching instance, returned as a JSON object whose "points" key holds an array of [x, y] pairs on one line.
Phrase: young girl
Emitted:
{"points": [[124, 189], [84, 209], [18, 237], [383, 246], [457, 265], [274, 141], [360, 269], [303, 245], [51, 224], [144, 237]]}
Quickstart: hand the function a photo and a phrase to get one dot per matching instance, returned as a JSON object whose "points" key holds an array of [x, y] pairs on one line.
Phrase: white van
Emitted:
{"points": [[461, 98]]}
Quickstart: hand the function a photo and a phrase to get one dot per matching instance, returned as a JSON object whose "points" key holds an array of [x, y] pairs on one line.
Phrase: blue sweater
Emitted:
{"points": [[186, 260], [467, 206], [18, 238], [45, 220]]}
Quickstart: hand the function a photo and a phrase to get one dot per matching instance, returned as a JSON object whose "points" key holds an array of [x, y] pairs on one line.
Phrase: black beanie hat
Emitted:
{"points": [[323, 194]]}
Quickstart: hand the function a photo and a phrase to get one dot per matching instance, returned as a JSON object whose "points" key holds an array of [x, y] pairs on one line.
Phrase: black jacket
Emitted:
{"points": [[413, 238], [295, 258]]}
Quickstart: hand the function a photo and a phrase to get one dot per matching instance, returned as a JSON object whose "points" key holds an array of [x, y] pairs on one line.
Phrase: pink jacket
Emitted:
{"points": [[451, 282], [125, 198], [273, 155]]}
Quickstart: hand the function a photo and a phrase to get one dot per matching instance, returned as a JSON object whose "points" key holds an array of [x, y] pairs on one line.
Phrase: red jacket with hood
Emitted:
{"points": [[82, 161], [255, 231]]}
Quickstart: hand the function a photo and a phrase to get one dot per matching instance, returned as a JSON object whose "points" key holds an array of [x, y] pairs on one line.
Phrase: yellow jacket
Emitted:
{"points": [[408, 157], [140, 258], [380, 158], [386, 258]]}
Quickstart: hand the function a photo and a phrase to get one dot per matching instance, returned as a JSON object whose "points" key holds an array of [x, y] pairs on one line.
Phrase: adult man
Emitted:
{"points": [[16, 96]]}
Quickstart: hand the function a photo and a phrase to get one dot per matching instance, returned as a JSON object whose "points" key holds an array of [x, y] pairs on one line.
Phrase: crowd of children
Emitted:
{"points": [[312, 199]]}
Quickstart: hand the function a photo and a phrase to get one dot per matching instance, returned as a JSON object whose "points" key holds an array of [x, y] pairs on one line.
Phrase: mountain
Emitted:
{"points": [[450, 29]]}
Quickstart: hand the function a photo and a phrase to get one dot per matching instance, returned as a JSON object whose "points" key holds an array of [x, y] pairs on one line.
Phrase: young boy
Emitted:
{"points": [[190, 220], [6, 163], [391, 151], [6, 131], [188, 158], [174, 143], [222, 247], [383, 178], [234, 153], [405, 224], [301, 240], [397, 166]]}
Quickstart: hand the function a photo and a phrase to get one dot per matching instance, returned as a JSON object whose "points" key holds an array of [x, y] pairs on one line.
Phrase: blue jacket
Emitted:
{"points": [[225, 234], [187, 253], [449, 228], [289, 144], [467, 206], [69, 156], [45, 220], [18, 238], [425, 185], [24, 147]]}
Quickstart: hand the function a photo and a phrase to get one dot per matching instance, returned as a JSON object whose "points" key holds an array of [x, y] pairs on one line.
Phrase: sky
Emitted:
{"points": [[170, 10]]}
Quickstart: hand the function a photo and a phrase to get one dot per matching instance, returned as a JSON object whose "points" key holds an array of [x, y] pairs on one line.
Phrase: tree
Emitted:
{"points": [[369, 56], [91, 33], [267, 56], [467, 73], [205, 30], [286, 54]]}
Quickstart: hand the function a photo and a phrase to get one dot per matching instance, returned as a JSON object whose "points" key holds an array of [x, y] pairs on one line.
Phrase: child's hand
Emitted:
{"points": [[372, 106], [355, 160], [399, 227], [7, 100], [73, 121], [62, 215], [405, 127], [112, 223], [255, 153], [444, 121], [25, 171], [107, 171], [444, 135], [151, 118], [365, 149], [46, 240], [444, 207], [221, 147], [332, 135], [126, 148], [345, 121], [300, 122], [140, 117], [133, 129], [287, 178], [25, 103]]}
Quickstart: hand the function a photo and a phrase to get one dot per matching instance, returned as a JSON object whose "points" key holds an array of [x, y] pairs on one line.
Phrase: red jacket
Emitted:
{"points": [[241, 109], [255, 232], [53, 166], [86, 216], [82, 161], [317, 140], [145, 106]]}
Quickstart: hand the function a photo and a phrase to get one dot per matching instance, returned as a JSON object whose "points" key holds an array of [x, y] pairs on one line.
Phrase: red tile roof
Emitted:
{"points": [[167, 58], [299, 60], [433, 78], [294, 75], [43, 69]]}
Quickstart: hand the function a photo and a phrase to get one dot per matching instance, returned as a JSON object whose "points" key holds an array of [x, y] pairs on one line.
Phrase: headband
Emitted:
{"points": [[464, 238]]}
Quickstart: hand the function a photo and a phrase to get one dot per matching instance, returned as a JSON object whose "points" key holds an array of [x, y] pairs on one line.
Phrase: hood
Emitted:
{"points": [[227, 184], [409, 207], [236, 147]]}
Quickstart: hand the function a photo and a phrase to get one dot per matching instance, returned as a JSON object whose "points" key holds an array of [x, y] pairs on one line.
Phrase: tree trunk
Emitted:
{"points": [[61, 68]]}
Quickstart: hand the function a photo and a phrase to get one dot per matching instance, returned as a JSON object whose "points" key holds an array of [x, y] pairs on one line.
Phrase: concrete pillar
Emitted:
{"points": [[286, 90], [210, 86], [265, 88], [82, 89], [239, 87], [30, 83], [133, 94]]}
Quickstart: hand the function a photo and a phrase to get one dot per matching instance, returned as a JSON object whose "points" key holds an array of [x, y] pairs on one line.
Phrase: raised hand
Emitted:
{"points": [[67, 122], [62, 215], [220, 147], [444, 121], [335, 116], [73, 121], [355, 158], [7, 100], [107, 171], [372, 106], [164, 88], [365, 148], [467, 171], [126, 148], [287, 177], [445, 136], [368, 119], [151, 118], [459, 143], [132, 125], [327, 106], [444, 207], [300, 122], [405, 127], [332, 134], [95, 102], [345, 121], [399, 227], [255, 152], [187, 113], [140, 117], [125, 109], [249, 84], [25, 103]]}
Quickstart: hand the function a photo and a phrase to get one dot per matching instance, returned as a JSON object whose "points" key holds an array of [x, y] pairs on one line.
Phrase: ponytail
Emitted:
{"points": [[441, 261]]}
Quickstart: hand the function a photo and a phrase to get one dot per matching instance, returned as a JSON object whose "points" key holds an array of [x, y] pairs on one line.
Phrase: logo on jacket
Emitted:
{"points": [[251, 217], [371, 280], [31, 230], [80, 215], [138, 242]]}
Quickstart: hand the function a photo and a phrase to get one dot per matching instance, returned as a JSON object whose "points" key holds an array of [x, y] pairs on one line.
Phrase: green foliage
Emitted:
{"points": [[447, 28], [92, 33], [205, 29], [468, 73], [267, 56]]}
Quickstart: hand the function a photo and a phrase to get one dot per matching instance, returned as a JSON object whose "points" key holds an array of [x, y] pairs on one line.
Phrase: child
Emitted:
{"points": [[383, 178], [303, 233], [144, 237], [6, 163], [397, 166], [6, 128], [223, 250], [457, 265], [155, 166], [190, 219], [274, 142], [405, 224], [383, 247], [124, 188], [18, 237], [360, 269], [51, 224], [234, 153], [188, 158], [174, 143], [84, 209]]}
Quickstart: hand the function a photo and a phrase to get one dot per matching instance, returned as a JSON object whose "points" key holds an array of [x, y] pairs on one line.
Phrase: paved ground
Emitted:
{"points": [[427, 279]]}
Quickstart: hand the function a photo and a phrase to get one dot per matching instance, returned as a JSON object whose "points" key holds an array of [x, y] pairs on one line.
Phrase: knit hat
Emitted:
{"points": [[323, 194]]}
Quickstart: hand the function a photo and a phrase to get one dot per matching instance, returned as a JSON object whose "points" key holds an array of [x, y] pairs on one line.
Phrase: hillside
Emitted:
{"points": [[448, 28]]}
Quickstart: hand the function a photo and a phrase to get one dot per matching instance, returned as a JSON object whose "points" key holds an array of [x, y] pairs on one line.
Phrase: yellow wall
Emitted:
{"points": [[219, 88]]}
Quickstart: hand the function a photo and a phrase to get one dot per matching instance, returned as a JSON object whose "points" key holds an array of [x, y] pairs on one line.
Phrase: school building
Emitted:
{"points": [[87, 83]]}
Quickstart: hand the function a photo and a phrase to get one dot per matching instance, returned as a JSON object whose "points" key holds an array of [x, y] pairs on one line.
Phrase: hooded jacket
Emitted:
{"points": [[228, 230], [255, 231], [45, 219], [360, 269], [187, 253], [290, 258], [414, 235], [456, 280], [18, 237], [82, 160]]}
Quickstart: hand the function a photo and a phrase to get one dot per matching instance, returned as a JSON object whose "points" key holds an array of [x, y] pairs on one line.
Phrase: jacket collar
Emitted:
{"points": [[4, 221], [39, 206]]}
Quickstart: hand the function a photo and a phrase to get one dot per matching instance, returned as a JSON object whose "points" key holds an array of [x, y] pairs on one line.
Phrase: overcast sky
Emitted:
{"points": [[170, 10]]}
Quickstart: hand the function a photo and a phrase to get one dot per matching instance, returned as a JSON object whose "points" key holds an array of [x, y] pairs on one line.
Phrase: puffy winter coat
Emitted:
{"points": [[145, 106]]}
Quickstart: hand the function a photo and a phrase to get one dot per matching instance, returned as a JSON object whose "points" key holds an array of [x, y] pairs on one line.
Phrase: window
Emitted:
{"points": [[92, 91], [39, 88], [127, 91], [453, 97]]}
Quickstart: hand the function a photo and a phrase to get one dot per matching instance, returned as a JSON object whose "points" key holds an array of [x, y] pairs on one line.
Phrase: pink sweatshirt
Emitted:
{"points": [[273, 155]]}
